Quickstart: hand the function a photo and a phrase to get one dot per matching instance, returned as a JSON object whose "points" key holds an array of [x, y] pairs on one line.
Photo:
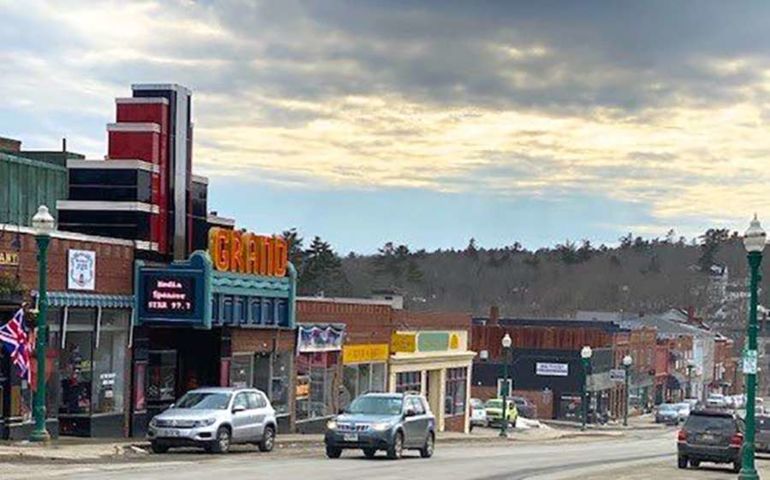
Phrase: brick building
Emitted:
{"points": [[385, 349], [88, 358]]}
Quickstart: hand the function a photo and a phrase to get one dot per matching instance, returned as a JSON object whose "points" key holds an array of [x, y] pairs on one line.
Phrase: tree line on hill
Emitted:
{"points": [[638, 275]]}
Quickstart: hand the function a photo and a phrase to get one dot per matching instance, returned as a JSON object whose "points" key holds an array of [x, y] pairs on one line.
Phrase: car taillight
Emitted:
{"points": [[737, 440], [682, 436]]}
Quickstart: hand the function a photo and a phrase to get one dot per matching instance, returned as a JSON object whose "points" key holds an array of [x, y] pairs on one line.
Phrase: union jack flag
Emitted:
{"points": [[16, 341]]}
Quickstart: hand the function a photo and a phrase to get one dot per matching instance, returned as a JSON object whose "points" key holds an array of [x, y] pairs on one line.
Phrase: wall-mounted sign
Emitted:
{"points": [[243, 252], [8, 259], [428, 341], [366, 353], [404, 342], [551, 369], [81, 270], [617, 375], [319, 338]]}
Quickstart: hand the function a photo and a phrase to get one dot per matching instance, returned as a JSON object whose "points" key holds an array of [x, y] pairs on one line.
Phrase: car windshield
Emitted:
{"points": [[667, 408], [204, 401], [376, 405], [519, 401], [494, 404], [763, 423], [476, 403], [708, 423], [683, 406]]}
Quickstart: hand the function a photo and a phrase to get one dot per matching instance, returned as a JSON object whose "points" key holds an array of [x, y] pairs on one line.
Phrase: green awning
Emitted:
{"points": [[88, 300]]}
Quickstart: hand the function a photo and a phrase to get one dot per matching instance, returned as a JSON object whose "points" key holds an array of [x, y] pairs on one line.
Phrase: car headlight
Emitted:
{"points": [[153, 422], [204, 423], [331, 424], [380, 427]]}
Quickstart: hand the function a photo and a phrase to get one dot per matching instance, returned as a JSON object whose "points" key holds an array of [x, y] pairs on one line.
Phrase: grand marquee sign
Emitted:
{"points": [[244, 252]]}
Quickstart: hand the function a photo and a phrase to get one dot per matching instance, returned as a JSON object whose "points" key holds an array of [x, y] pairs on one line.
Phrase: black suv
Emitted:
{"points": [[391, 422], [711, 436]]}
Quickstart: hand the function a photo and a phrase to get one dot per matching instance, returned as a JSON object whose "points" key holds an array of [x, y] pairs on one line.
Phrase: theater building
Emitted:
{"points": [[90, 299], [222, 317]]}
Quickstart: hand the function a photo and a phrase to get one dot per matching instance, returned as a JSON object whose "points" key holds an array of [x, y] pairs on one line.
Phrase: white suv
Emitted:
{"points": [[215, 418]]}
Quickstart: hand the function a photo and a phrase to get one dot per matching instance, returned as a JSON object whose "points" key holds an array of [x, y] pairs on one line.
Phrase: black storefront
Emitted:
{"points": [[557, 371]]}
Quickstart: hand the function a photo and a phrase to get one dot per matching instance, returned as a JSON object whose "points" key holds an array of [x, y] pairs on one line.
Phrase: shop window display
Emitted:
{"points": [[409, 382], [315, 384], [161, 377], [109, 363], [456, 382], [241, 370], [362, 378], [76, 361]]}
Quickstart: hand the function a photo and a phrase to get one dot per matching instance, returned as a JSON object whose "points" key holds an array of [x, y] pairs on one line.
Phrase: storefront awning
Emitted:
{"points": [[88, 300]]}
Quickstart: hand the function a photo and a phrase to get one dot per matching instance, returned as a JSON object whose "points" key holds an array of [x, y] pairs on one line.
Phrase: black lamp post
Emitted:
{"points": [[627, 362], [585, 357]]}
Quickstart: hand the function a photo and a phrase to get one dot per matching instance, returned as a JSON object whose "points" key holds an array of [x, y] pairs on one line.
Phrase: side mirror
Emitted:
{"points": [[239, 408], [172, 406], [410, 412], [341, 411]]}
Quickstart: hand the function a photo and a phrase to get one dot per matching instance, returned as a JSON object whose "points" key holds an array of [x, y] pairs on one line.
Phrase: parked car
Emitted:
{"points": [[478, 414], [683, 411], [215, 418], [524, 407], [667, 413], [716, 400], [762, 438], [494, 410], [391, 422], [710, 436]]}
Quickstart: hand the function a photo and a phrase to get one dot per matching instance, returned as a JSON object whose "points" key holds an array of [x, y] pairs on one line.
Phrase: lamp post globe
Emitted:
{"points": [[754, 240], [506, 343], [586, 352], [628, 361], [43, 223]]}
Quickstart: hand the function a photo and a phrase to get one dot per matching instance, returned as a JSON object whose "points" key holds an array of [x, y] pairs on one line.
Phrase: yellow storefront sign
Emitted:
{"points": [[366, 353], [404, 342]]}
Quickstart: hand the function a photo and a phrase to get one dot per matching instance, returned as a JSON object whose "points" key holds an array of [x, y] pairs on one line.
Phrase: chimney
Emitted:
{"points": [[63, 144], [494, 315]]}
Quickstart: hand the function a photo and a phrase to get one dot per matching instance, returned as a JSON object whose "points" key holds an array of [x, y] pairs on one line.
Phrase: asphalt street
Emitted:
{"points": [[568, 458]]}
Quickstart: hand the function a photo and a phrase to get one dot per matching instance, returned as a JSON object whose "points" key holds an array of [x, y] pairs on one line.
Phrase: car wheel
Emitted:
{"points": [[370, 452], [513, 422], [333, 452], [158, 448], [681, 462], [430, 444], [695, 463], [470, 428], [268, 440], [397, 449], [737, 467], [222, 442]]}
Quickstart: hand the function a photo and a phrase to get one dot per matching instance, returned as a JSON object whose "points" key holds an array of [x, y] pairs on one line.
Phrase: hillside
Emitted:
{"points": [[640, 275]]}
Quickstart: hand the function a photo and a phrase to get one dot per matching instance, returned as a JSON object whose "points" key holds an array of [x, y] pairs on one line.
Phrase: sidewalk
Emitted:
{"points": [[640, 422], [73, 450]]}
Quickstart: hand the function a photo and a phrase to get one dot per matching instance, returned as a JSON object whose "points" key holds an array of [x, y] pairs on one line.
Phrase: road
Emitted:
{"points": [[563, 459]]}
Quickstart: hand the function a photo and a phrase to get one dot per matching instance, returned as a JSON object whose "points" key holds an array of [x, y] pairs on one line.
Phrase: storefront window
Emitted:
{"points": [[315, 384], [77, 362], [409, 382], [362, 378], [456, 382], [281, 382], [161, 382], [109, 362], [241, 370]]}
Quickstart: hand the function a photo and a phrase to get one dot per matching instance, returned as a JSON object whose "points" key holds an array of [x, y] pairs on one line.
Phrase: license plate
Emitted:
{"points": [[350, 437], [707, 437], [168, 432]]}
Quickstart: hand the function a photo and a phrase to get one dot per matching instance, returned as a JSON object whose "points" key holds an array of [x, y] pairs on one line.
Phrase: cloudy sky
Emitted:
{"points": [[425, 122]]}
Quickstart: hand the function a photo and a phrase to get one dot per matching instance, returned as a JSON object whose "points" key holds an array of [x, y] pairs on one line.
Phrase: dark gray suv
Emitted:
{"points": [[710, 436], [391, 422]]}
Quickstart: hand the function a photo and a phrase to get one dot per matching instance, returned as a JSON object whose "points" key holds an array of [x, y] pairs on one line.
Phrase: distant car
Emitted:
{"points": [[667, 413], [762, 438], [391, 422], [215, 418], [716, 400], [494, 410], [524, 407], [710, 436], [478, 414], [683, 411]]}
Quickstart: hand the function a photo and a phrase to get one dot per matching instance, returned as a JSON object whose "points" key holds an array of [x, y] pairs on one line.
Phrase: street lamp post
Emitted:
{"points": [[43, 223], [585, 357], [754, 241], [627, 362], [690, 368], [507, 342]]}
